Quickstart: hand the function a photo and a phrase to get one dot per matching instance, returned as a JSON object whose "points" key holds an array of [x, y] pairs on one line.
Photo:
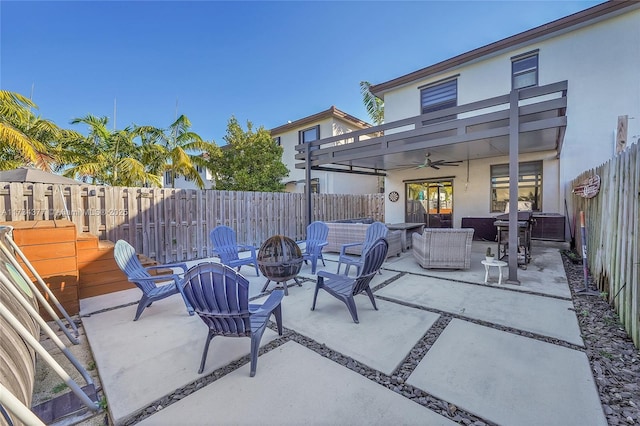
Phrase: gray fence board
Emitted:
{"points": [[612, 218]]}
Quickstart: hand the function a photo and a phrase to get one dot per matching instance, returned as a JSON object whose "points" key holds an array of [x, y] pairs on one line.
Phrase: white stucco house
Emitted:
{"points": [[330, 122], [551, 101], [185, 183], [539, 108]]}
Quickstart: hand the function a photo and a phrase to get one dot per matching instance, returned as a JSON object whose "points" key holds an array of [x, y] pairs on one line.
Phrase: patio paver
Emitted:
{"points": [[295, 386], [544, 275], [164, 343], [538, 314], [496, 375], [381, 340], [509, 379]]}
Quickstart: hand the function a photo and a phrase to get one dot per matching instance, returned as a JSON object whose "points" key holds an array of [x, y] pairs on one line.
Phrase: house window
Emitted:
{"points": [[168, 178], [309, 135], [524, 70], [437, 97], [315, 186], [277, 141], [529, 185]]}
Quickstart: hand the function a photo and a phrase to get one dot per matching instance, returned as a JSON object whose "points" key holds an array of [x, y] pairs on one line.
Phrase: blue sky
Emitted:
{"points": [[267, 62]]}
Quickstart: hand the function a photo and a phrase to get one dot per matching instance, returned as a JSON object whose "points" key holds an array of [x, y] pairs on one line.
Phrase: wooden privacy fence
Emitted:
{"points": [[612, 235], [171, 225]]}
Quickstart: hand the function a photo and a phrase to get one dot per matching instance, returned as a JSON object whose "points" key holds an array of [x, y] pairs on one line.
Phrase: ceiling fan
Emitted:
{"points": [[436, 164]]}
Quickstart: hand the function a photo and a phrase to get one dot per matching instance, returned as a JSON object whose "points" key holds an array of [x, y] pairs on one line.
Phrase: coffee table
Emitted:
{"points": [[407, 229]]}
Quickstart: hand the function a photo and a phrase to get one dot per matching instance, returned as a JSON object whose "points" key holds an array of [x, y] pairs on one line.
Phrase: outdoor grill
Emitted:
{"points": [[280, 259], [525, 224]]}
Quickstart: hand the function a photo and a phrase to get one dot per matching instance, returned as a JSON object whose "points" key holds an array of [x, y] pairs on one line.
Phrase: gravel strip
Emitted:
{"points": [[615, 361]]}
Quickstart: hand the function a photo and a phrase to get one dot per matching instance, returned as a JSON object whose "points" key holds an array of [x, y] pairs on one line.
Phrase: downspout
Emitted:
{"points": [[514, 129], [307, 180]]}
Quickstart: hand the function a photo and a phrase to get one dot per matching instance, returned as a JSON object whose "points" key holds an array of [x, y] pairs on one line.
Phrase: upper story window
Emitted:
{"points": [[309, 135], [277, 141], [168, 178], [524, 70], [438, 96]]}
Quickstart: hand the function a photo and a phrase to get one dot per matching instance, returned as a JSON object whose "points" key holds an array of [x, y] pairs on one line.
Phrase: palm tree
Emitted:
{"points": [[109, 157], [23, 136], [176, 149], [373, 104]]}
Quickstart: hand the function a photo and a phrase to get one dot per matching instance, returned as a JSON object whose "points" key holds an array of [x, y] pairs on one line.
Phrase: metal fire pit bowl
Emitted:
{"points": [[280, 260]]}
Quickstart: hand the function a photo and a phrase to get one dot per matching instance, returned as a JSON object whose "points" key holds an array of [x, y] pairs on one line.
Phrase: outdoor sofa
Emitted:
{"points": [[344, 233]]}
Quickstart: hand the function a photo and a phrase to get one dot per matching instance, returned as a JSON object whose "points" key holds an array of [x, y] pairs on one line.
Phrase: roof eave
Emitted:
{"points": [[328, 113]]}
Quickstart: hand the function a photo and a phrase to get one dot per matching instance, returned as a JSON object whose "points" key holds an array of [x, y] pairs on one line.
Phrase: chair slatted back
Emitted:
{"points": [[374, 257], [224, 242], [220, 297], [375, 231], [317, 233], [127, 260]]}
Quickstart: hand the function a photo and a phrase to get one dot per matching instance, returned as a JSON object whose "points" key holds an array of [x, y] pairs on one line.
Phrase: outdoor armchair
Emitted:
{"points": [[128, 262], [448, 248], [220, 297], [344, 288], [317, 233], [374, 232], [226, 247]]}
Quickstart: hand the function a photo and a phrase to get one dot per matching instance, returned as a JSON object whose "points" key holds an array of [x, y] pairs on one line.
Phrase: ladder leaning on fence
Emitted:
{"points": [[12, 253], [22, 323]]}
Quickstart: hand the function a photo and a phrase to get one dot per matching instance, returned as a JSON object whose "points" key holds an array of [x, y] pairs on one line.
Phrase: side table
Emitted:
{"points": [[497, 263], [407, 230]]}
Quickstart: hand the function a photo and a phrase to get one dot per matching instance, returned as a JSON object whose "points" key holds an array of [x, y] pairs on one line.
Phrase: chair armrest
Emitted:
{"points": [[346, 246], [181, 265], [325, 274], [270, 304], [154, 278], [247, 247], [325, 243]]}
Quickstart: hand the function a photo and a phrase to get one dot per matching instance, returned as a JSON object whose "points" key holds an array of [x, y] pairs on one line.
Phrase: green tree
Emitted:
{"points": [[25, 138], [373, 104], [176, 149], [251, 160], [108, 156]]}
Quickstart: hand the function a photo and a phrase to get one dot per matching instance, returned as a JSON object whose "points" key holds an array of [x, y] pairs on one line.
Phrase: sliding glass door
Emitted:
{"points": [[430, 202]]}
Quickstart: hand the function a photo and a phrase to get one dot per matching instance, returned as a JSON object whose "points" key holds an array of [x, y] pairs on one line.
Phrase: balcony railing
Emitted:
{"points": [[539, 109]]}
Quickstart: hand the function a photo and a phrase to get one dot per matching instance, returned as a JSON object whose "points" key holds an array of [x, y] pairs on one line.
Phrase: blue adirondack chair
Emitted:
{"points": [[344, 288], [128, 262], [220, 297], [226, 247], [317, 233], [375, 231]]}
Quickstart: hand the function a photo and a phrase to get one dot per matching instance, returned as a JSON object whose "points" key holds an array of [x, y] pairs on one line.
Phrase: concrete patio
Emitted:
{"points": [[506, 354]]}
